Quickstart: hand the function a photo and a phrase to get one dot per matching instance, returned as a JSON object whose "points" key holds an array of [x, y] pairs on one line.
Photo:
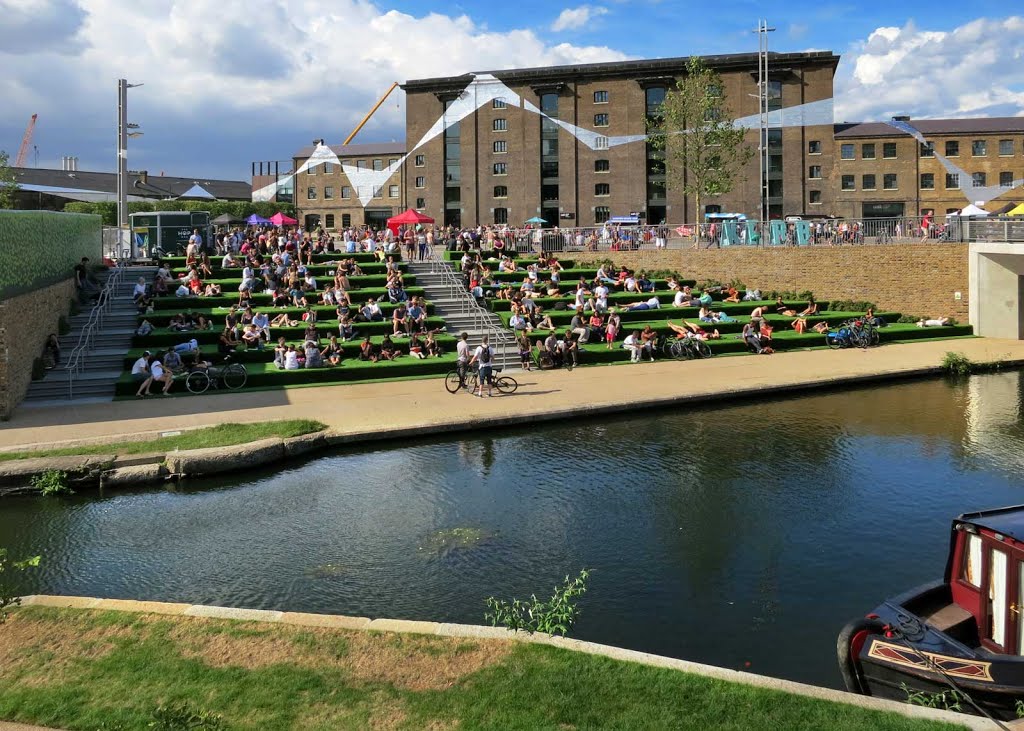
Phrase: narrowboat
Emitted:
{"points": [[964, 632]]}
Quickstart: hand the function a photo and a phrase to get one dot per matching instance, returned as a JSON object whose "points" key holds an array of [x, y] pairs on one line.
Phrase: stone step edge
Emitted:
{"points": [[447, 629]]}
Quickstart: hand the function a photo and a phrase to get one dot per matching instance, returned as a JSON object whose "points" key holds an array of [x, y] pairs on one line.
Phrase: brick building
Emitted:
{"points": [[325, 195], [504, 162]]}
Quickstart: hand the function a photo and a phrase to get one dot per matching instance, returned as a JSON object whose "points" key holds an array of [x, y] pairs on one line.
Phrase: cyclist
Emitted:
{"points": [[484, 357], [462, 351]]}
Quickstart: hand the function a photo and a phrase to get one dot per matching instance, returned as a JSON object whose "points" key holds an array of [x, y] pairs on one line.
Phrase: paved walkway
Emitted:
{"points": [[423, 406]]}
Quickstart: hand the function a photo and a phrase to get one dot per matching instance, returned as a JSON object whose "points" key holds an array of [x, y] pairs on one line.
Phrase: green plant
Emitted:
{"points": [[946, 700], [182, 717], [908, 319], [1019, 709], [738, 285], [555, 616], [806, 295], [38, 369], [708, 284], [52, 482], [8, 596], [957, 364]]}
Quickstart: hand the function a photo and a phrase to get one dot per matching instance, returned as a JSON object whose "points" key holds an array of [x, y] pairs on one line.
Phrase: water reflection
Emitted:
{"points": [[740, 534]]}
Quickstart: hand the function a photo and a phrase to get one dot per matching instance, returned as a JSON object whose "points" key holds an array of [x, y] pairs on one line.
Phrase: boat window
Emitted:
{"points": [[997, 597], [972, 561]]}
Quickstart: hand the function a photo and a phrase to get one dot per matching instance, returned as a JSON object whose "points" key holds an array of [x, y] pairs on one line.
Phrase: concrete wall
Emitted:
{"points": [[917, 279], [997, 289], [25, 323]]}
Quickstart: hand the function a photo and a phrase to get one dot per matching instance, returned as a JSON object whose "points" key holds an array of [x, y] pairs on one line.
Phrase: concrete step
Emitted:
{"points": [[61, 376]]}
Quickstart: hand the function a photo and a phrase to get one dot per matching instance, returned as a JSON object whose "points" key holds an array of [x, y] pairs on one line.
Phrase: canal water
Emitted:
{"points": [[743, 535]]}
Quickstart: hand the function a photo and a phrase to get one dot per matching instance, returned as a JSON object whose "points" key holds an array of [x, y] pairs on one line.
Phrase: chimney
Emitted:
{"points": [[901, 118], [74, 163], [144, 176]]}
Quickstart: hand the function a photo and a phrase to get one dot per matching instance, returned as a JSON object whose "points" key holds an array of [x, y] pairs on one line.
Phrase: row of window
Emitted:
{"points": [[312, 192], [377, 165], [500, 124], [600, 97], [927, 181], [869, 150]]}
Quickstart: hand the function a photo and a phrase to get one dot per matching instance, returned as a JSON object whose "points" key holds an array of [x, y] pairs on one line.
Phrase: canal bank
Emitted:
{"points": [[399, 410], [441, 657]]}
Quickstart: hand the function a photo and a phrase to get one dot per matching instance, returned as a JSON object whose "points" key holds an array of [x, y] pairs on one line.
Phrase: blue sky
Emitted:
{"points": [[235, 81]]}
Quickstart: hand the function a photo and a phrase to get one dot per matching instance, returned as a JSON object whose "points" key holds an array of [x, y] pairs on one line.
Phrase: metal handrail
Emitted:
{"points": [[468, 305], [99, 311]]}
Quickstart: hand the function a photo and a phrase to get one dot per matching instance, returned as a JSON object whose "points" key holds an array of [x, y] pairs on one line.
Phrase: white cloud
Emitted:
{"points": [[252, 80], [976, 69], [574, 18]]}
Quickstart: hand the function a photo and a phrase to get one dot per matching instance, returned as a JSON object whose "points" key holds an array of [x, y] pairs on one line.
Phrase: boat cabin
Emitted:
{"points": [[985, 574]]}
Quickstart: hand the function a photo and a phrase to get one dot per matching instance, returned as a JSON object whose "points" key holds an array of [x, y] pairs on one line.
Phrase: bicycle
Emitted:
{"points": [[458, 379], [232, 376], [685, 348]]}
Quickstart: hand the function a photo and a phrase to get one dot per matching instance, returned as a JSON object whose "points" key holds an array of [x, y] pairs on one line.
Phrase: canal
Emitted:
{"points": [[743, 535]]}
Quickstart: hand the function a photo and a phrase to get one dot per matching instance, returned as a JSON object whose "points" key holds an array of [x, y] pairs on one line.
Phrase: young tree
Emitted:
{"points": [[8, 183], [704, 153]]}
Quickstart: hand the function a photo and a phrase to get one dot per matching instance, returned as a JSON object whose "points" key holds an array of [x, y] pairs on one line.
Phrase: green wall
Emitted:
{"points": [[40, 248]]}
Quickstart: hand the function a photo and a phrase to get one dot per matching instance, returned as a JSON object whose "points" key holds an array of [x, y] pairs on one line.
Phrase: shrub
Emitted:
{"points": [[182, 717], [52, 482], [957, 364], [946, 700], [806, 295], [708, 284], [555, 616], [8, 596], [908, 319]]}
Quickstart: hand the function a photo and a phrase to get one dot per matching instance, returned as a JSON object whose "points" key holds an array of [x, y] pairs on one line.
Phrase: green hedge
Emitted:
{"points": [[40, 248]]}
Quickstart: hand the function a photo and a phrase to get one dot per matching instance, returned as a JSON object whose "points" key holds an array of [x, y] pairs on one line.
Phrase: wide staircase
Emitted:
{"points": [[462, 313], [103, 363]]}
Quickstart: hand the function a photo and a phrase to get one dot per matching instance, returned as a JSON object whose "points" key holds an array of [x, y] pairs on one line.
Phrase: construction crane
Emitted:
{"points": [[26, 142], [369, 114]]}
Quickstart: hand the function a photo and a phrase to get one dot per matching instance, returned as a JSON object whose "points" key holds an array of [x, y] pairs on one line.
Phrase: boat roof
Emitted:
{"points": [[1009, 520]]}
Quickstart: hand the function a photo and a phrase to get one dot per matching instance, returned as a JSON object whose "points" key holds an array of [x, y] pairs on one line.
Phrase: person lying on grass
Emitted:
{"points": [[283, 320], [650, 304], [800, 325], [688, 330], [933, 322]]}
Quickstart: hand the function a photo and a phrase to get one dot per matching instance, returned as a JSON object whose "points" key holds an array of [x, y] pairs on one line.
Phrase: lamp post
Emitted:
{"points": [[123, 133], [762, 110]]}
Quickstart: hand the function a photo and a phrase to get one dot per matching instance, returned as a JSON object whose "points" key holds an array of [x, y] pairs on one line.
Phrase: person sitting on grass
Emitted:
{"points": [[228, 341], [782, 308], [400, 322], [157, 374], [733, 295], [368, 351], [648, 339], [144, 329], [291, 359], [595, 326], [810, 310], [687, 329], [571, 351], [752, 337], [874, 319], [252, 338], [388, 351], [416, 347], [140, 368], [370, 312], [417, 315], [644, 283], [542, 321], [431, 345], [332, 352], [311, 333], [553, 349], [518, 323], [172, 362], [633, 345], [211, 290], [933, 322], [279, 352], [312, 353]]}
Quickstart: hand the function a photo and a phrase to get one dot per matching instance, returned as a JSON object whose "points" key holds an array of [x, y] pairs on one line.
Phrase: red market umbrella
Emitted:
{"points": [[279, 219], [411, 217]]}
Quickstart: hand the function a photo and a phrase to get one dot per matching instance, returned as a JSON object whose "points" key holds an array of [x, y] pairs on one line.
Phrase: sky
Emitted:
{"points": [[230, 82]]}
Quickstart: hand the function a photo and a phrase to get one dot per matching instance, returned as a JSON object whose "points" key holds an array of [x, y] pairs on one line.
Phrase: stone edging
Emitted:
{"points": [[445, 629]]}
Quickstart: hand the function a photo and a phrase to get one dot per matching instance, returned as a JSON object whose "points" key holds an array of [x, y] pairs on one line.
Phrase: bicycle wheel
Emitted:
{"points": [[669, 348], [679, 350], [834, 340], [197, 382], [506, 384], [702, 349], [453, 382], [873, 338], [234, 376]]}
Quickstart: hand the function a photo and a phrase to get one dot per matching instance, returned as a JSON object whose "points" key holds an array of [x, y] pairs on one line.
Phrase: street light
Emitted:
{"points": [[123, 133]]}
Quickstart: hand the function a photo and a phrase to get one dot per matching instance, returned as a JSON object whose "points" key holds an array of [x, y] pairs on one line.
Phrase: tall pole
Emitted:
{"points": [[122, 154], [763, 83]]}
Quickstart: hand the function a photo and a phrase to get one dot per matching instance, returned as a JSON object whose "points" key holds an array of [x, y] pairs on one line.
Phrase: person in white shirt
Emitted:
{"points": [[633, 345], [484, 357], [680, 298], [228, 260], [140, 368], [157, 374], [462, 352], [140, 289]]}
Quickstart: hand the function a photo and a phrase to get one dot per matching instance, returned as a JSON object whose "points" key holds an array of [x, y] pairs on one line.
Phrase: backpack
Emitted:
{"points": [[485, 355]]}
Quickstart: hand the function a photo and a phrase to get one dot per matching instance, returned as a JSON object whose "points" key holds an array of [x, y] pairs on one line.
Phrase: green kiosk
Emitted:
{"points": [[166, 233]]}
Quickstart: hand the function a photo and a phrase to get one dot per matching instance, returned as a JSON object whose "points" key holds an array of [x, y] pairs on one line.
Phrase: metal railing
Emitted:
{"points": [[482, 318], [1010, 229], [85, 338]]}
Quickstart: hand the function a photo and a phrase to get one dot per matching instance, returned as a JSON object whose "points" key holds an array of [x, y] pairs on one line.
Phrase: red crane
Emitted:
{"points": [[19, 161]]}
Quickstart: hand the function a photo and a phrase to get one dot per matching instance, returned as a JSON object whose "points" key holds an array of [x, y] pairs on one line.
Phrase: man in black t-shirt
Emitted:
{"points": [[86, 288]]}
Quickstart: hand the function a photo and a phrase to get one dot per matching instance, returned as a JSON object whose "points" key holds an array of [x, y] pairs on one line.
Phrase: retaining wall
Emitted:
{"points": [[917, 279]]}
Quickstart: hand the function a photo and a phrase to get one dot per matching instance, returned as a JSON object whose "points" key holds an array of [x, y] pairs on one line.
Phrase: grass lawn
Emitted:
{"points": [[211, 436], [87, 669]]}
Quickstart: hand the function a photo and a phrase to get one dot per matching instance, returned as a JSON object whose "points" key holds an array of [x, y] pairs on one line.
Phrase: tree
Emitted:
{"points": [[704, 153], [8, 183]]}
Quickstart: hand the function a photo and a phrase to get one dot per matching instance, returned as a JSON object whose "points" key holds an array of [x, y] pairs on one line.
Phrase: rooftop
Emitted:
{"points": [[367, 149], [157, 186], [638, 68], [1009, 521], [973, 125]]}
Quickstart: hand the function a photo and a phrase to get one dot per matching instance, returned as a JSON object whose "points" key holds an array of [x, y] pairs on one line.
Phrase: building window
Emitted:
{"points": [[847, 183], [952, 148], [979, 148], [927, 181], [927, 149], [601, 120], [346, 192], [346, 220], [978, 180], [500, 146], [500, 125], [549, 192], [814, 172], [498, 103], [311, 170], [600, 97], [889, 181], [814, 147], [500, 168], [328, 167], [311, 193], [602, 214], [867, 182], [328, 192], [421, 182], [378, 165], [420, 161], [1005, 148], [889, 150], [392, 162], [501, 191], [846, 151], [952, 181], [602, 189], [329, 220], [602, 166], [392, 191], [867, 151], [815, 196], [421, 202], [1005, 180], [501, 215], [361, 164], [601, 143]]}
